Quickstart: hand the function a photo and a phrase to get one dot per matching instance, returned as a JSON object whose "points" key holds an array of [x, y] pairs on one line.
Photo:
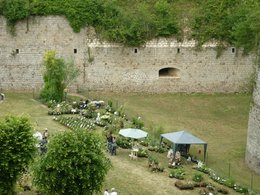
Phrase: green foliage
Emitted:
{"points": [[215, 20], [114, 20], [14, 10], [142, 152], [247, 31], [76, 123], [17, 150], [154, 164], [177, 173], [228, 21], [197, 177], [132, 23], [57, 77], [123, 142], [137, 123], [74, 164]]}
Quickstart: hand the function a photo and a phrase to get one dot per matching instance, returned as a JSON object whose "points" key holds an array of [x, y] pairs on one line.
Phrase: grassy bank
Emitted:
{"points": [[219, 119]]}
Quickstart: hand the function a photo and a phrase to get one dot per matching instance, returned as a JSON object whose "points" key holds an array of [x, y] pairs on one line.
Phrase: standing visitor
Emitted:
{"points": [[106, 192], [46, 133], [113, 191], [114, 146], [43, 145]]}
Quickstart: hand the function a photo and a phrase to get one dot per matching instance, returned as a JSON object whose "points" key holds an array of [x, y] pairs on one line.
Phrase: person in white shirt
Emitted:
{"points": [[106, 192], [113, 191]]}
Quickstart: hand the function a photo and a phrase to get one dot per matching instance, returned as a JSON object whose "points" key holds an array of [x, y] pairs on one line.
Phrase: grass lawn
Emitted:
{"points": [[219, 119]]}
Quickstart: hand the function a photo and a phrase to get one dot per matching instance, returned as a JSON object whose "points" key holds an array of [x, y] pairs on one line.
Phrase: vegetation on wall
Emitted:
{"points": [[134, 22], [228, 21]]}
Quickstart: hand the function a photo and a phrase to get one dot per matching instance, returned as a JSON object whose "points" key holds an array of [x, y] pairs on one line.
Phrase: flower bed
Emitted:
{"points": [[75, 123], [221, 180]]}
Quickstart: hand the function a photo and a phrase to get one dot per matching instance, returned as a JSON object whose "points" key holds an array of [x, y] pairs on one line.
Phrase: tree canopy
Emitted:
{"points": [[74, 164], [17, 149], [57, 76]]}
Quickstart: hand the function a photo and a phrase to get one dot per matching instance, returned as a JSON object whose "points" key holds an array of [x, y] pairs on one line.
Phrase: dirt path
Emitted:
{"points": [[139, 176]]}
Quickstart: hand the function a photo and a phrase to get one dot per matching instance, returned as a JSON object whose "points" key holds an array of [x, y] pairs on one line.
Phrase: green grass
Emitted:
{"points": [[24, 104], [219, 119]]}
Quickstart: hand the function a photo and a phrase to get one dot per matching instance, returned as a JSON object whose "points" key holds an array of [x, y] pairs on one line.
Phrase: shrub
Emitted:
{"points": [[89, 112], [154, 164], [142, 153], [123, 143], [197, 177], [57, 76], [177, 173], [17, 149], [137, 123], [74, 164]]}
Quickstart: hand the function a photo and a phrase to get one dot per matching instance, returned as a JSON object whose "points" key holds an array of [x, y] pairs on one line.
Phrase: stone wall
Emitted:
{"points": [[253, 138], [112, 67]]}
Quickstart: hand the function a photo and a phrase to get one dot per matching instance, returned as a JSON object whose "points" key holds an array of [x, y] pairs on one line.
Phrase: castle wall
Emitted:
{"points": [[253, 138], [112, 67]]}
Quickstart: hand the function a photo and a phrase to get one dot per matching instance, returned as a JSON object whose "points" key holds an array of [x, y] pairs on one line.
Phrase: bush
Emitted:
{"points": [[197, 177], [74, 164], [17, 149], [57, 76], [177, 173], [123, 143], [154, 164], [137, 123], [142, 153]]}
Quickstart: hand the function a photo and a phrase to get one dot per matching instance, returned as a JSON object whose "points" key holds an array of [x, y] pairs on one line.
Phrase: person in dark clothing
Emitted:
{"points": [[113, 146], [43, 145], [109, 142]]}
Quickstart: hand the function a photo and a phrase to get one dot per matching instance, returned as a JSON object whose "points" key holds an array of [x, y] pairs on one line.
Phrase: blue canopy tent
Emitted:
{"points": [[183, 138]]}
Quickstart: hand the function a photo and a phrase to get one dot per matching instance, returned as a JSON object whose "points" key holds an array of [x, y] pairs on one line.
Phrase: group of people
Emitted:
{"points": [[113, 192], [111, 144], [42, 140], [174, 159], [83, 104]]}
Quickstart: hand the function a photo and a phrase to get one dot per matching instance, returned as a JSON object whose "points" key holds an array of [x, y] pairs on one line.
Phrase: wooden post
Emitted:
{"points": [[229, 169], [252, 178]]}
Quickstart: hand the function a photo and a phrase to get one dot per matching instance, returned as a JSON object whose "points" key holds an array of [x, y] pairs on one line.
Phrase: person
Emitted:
{"points": [[43, 145], [113, 191], [109, 142], [106, 192], [39, 137], [177, 158], [114, 146], [2, 96], [46, 133], [170, 154]]}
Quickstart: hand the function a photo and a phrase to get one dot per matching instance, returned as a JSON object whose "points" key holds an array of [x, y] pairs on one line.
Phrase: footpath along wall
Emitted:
{"points": [[161, 65]]}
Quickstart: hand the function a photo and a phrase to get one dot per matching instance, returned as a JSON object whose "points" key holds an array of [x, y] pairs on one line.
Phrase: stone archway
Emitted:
{"points": [[169, 72]]}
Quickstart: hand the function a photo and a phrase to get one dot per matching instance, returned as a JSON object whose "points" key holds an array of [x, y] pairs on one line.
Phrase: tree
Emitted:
{"points": [[17, 149], [74, 164], [57, 76], [247, 31]]}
